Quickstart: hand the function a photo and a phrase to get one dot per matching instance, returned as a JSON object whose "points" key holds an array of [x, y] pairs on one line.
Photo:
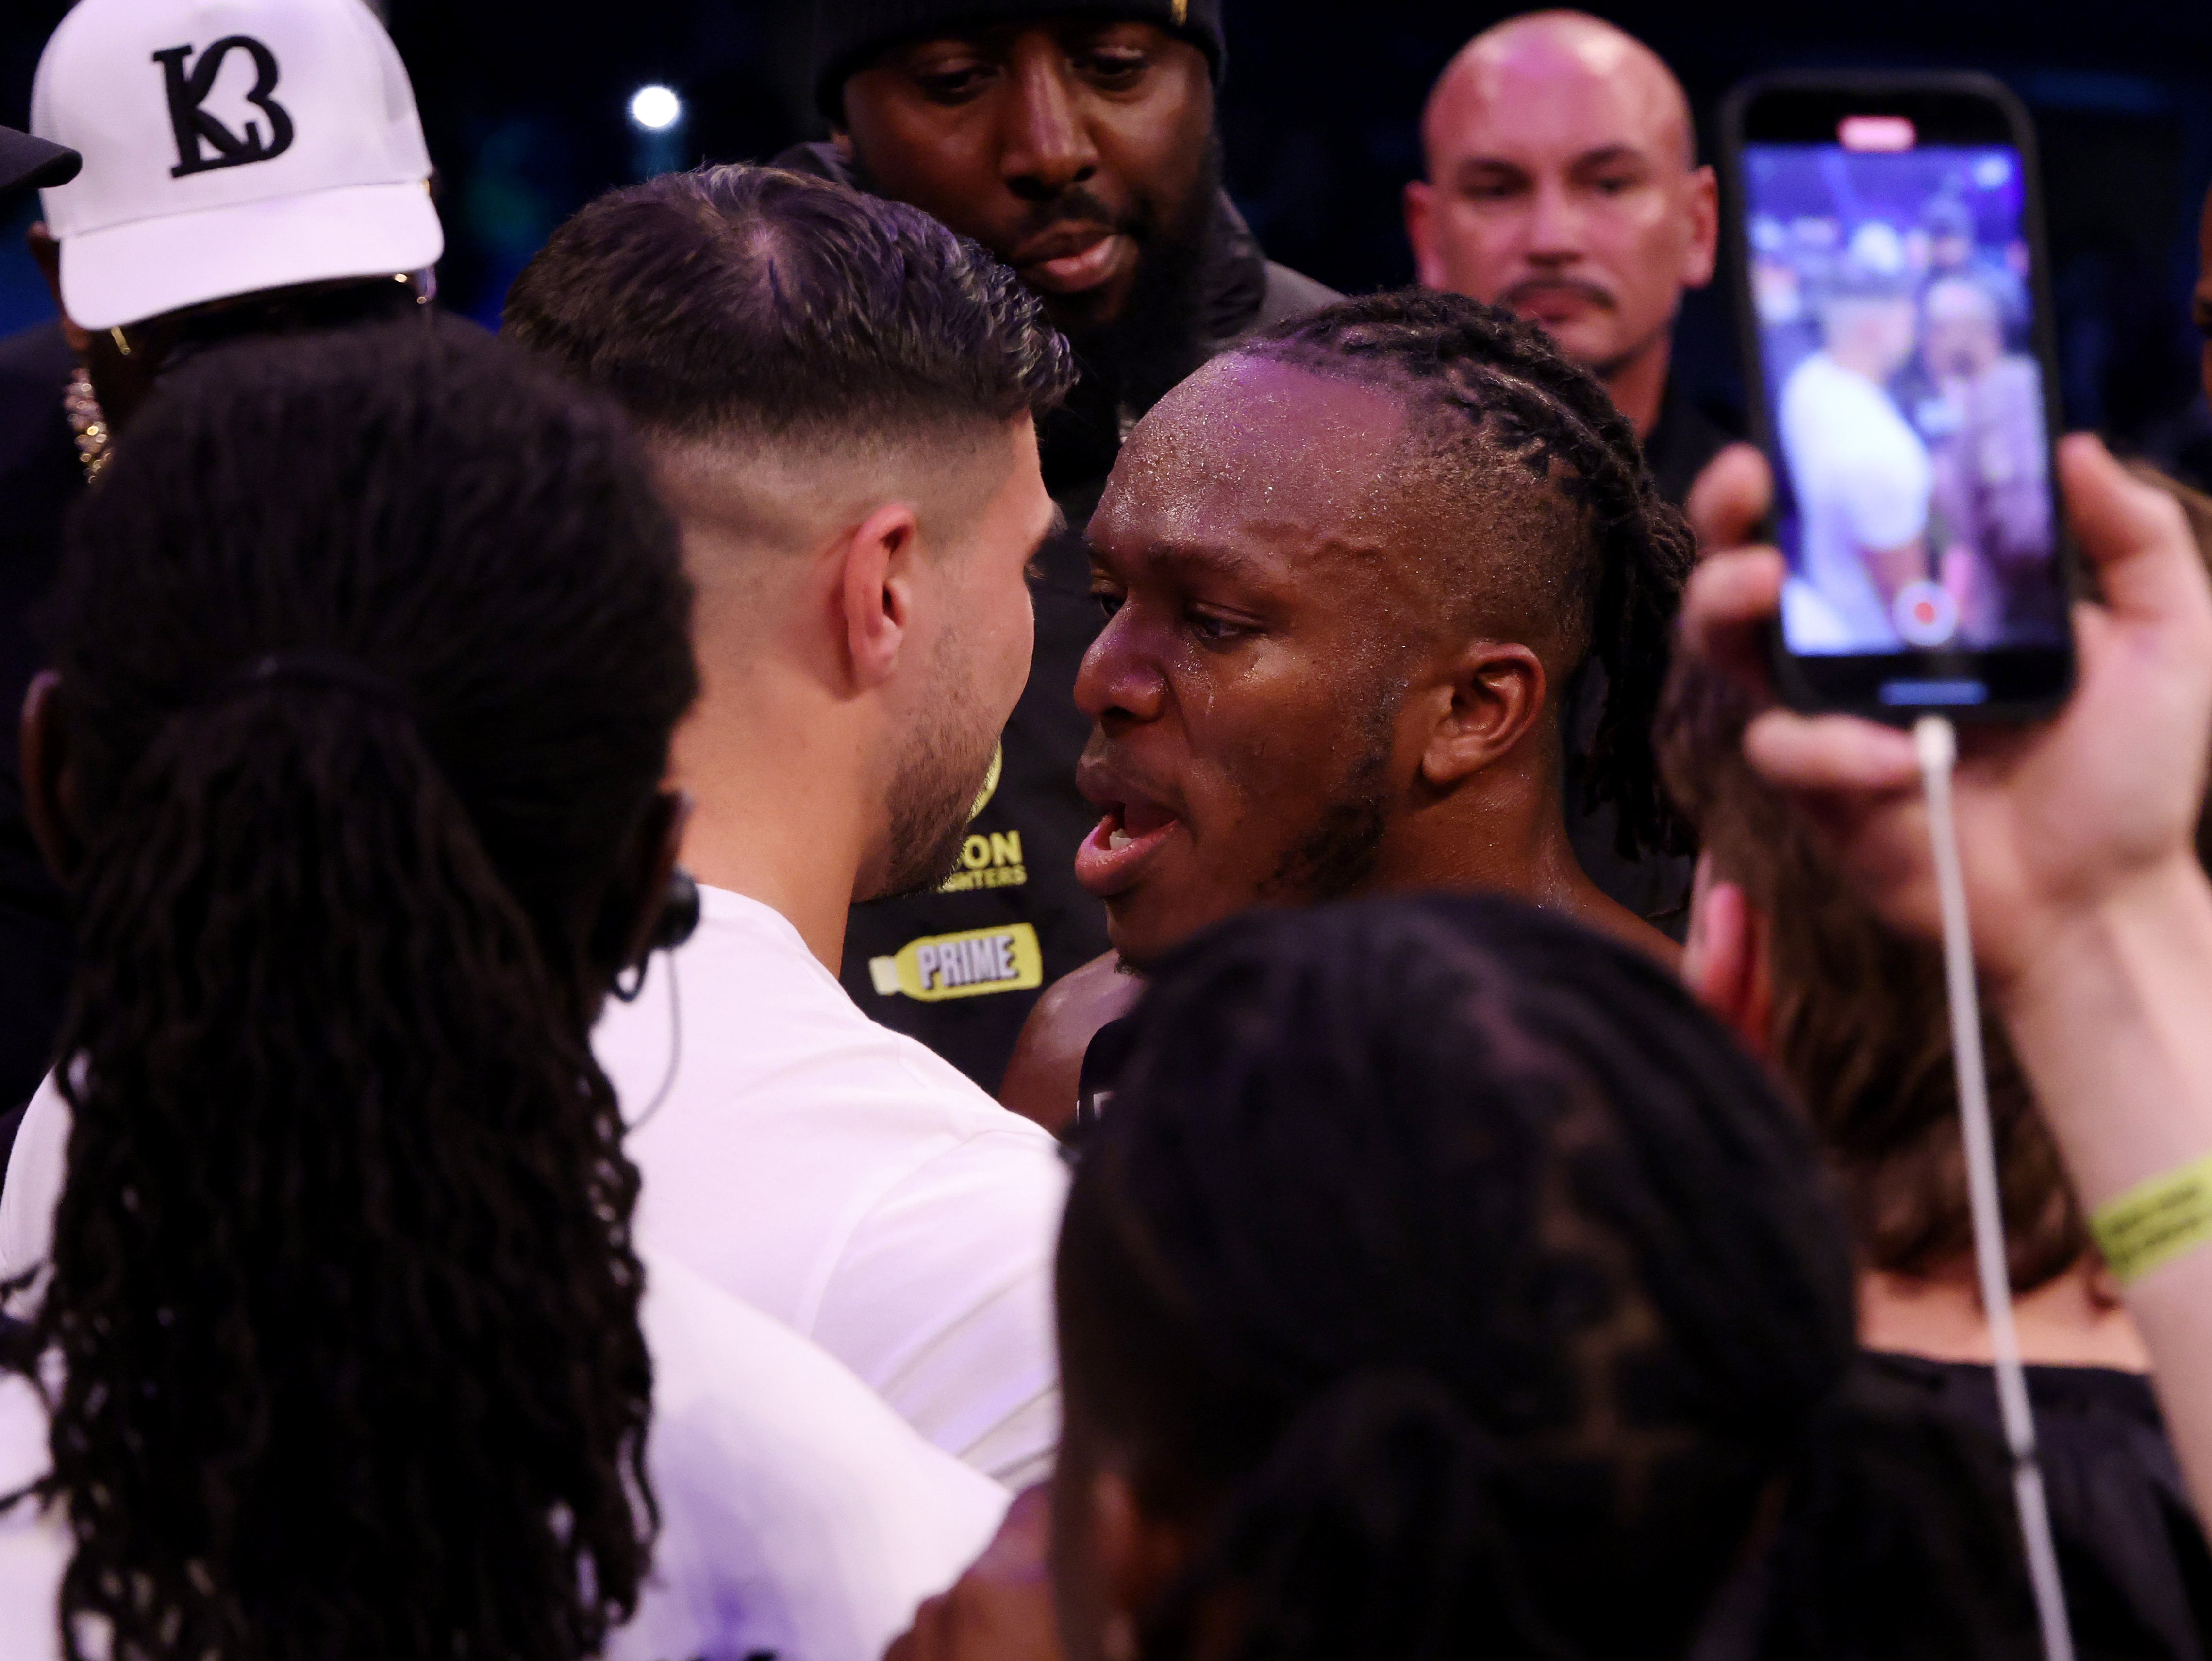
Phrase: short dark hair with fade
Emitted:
{"points": [[750, 299]]}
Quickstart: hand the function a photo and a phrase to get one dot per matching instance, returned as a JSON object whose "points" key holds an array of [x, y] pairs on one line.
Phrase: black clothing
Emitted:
{"points": [[2138, 1575], [848, 33], [1103, 1059], [1683, 441], [1016, 888], [1899, 1536], [1655, 886], [39, 479]]}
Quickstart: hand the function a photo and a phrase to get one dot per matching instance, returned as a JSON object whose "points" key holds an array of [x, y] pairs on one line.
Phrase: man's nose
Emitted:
{"points": [[1046, 145], [1118, 682], [1555, 225]]}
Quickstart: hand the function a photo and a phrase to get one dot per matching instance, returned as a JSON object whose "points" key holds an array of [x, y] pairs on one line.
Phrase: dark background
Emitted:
{"points": [[524, 105]]}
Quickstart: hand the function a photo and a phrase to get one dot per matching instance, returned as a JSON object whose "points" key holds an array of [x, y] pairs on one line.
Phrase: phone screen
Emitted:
{"points": [[1893, 286]]}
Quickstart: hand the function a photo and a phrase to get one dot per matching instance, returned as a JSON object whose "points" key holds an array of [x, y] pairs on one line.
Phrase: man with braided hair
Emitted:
{"points": [[1349, 568]]}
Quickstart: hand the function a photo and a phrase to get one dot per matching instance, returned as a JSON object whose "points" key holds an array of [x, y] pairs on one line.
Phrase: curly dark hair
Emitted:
{"points": [[369, 645], [1561, 538], [754, 300], [1455, 1277]]}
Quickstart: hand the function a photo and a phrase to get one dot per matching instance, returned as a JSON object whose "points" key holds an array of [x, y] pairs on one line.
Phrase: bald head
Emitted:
{"points": [[1550, 65], [1563, 182]]}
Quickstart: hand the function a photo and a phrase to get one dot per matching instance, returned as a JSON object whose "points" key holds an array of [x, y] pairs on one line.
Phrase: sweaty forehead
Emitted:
{"points": [[1549, 89], [1253, 459]]}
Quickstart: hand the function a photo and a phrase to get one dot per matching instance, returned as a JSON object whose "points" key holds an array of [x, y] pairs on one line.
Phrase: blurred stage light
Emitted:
{"points": [[656, 108]]}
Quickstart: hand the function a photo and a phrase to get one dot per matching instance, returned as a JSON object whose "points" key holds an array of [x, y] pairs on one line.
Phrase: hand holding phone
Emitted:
{"points": [[1895, 317], [2056, 819]]}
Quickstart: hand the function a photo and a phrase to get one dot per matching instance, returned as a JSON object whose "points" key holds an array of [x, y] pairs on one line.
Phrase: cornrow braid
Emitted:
{"points": [[1520, 403]]}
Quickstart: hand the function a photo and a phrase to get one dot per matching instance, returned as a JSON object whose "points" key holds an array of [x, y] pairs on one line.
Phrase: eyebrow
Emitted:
{"points": [[1181, 559], [1200, 556], [1601, 156], [1608, 153]]}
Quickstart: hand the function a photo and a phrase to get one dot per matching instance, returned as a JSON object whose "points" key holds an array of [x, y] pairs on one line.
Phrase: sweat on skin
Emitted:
{"points": [[1283, 708]]}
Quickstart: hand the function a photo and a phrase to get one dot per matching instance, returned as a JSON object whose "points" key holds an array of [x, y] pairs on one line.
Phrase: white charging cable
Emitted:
{"points": [[1938, 743]]}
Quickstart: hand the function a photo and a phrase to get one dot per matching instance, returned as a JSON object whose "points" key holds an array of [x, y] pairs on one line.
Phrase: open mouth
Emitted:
{"points": [[1127, 838], [1075, 264]]}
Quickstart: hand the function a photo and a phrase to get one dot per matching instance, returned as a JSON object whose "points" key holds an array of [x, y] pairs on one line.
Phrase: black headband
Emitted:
{"points": [[848, 33]]}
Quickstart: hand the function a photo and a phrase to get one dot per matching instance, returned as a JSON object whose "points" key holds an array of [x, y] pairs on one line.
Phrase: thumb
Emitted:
{"points": [[1730, 499]]}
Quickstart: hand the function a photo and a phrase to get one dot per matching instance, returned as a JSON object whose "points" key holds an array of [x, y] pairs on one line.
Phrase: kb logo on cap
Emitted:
{"points": [[195, 129]]}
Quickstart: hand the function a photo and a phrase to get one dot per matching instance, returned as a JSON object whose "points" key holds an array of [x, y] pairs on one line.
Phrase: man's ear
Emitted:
{"points": [[48, 253], [1724, 960], [1705, 228], [875, 590], [1493, 697], [49, 788], [1420, 231]]}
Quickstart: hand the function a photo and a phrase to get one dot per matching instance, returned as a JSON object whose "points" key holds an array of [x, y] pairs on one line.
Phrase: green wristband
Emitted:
{"points": [[2155, 1221]]}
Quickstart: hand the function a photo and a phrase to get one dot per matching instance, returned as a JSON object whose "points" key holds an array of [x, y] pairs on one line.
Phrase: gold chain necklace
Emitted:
{"points": [[89, 422]]}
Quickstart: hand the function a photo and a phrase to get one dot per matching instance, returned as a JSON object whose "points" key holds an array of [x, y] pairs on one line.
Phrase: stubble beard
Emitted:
{"points": [[932, 798], [1336, 857]]}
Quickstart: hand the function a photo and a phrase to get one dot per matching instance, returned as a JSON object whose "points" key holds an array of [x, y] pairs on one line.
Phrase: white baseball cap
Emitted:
{"points": [[229, 146]]}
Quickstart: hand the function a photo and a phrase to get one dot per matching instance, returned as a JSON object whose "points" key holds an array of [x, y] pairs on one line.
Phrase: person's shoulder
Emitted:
{"points": [[1289, 294], [764, 1032], [958, 1107], [740, 1397], [1813, 371], [758, 1392], [35, 367], [1804, 387], [38, 352], [816, 160], [1047, 1069], [800, 1514], [35, 1539]]}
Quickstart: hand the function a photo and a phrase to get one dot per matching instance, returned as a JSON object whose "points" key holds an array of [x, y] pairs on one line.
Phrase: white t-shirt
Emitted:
{"points": [[1863, 478], [829, 1171], [848, 1182], [799, 1516]]}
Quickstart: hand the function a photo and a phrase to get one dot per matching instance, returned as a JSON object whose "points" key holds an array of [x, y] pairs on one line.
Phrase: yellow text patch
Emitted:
{"points": [[964, 965]]}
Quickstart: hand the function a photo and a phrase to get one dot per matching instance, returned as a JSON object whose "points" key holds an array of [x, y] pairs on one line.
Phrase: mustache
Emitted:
{"points": [[1076, 207], [1528, 287]]}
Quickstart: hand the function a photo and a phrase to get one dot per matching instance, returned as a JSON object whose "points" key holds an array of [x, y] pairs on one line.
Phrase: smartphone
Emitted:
{"points": [[1895, 306]]}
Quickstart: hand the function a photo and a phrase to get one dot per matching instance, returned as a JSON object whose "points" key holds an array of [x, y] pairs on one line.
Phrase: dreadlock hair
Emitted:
{"points": [[1556, 535], [370, 646], [1455, 1276]]}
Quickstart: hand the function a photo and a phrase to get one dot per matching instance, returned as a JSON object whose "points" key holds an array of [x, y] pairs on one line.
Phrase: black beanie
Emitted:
{"points": [[848, 33]]}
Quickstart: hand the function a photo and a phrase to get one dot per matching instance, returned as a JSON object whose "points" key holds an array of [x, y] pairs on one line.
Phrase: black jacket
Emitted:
{"points": [[39, 479], [1016, 892]]}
